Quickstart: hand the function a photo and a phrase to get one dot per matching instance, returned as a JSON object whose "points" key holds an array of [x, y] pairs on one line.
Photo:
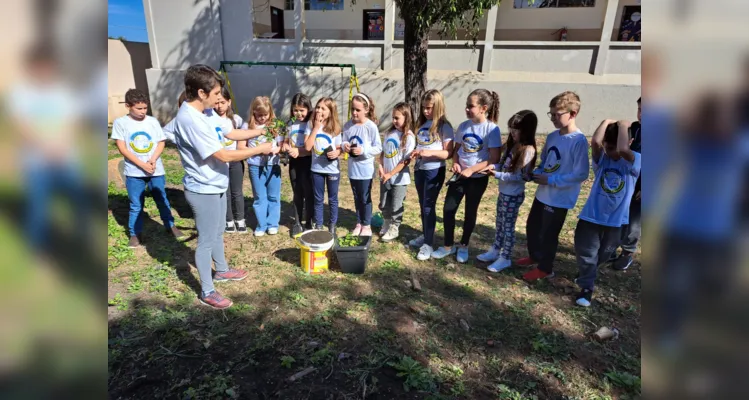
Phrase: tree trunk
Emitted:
{"points": [[415, 44]]}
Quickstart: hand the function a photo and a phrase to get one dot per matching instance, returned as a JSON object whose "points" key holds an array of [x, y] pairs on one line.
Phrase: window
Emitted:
{"points": [[289, 5], [316, 5], [554, 3]]}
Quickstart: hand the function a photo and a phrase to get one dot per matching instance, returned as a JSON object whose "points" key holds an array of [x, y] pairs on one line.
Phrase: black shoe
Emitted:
{"points": [[332, 229], [584, 298], [230, 228], [319, 227], [623, 262], [614, 256], [296, 229]]}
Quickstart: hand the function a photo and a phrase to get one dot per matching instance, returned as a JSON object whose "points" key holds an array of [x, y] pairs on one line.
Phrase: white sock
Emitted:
{"points": [[240, 223]]}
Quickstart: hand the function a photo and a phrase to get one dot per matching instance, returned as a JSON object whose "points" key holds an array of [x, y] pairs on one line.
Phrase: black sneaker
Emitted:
{"points": [[296, 229], [584, 298], [332, 230], [623, 262], [614, 256], [230, 228], [241, 227], [319, 227]]}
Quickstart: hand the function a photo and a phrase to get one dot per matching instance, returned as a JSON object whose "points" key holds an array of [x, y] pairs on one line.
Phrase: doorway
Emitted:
{"points": [[276, 22]]}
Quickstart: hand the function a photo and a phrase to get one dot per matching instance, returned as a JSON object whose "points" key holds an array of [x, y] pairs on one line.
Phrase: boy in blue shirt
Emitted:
{"points": [[598, 231]]}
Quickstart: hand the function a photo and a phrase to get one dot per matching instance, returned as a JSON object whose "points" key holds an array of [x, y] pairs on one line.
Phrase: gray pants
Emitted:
{"points": [[209, 211], [391, 203], [594, 244]]}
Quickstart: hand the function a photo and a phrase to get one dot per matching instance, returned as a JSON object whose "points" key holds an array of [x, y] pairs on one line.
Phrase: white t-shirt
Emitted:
{"points": [[394, 153], [141, 139], [298, 134], [197, 141], [222, 126], [476, 140], [366, 136], [320, 162], [262, 159], [425, 142], [169, 131]]}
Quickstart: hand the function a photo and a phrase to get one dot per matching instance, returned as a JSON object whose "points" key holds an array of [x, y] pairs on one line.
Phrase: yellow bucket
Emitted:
{"points": [[314, 259]]}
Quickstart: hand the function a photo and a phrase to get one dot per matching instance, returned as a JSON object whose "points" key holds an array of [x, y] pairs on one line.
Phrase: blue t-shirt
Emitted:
{"points": [[476, 140], [611, 192]]}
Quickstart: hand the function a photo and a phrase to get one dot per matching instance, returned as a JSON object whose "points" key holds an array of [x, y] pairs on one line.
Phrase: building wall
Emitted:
{"points": [[127, 63]]}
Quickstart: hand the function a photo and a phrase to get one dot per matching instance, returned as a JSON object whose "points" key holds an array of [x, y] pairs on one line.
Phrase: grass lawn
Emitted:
{"points": [[366, 336]]}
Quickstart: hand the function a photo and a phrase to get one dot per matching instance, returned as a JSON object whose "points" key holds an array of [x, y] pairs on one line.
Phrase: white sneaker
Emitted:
{"points": [[443, 252], [273, 231], [499, 265], [357, 230], [259, 233], [418, 242], [385, 228], [462, 254], [424, 252], [391, 234], [490, 256]]}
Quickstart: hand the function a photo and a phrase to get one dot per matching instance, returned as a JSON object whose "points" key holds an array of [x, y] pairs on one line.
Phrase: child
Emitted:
{"points": [[599, 229], [564, 166], [206, 180], [324, 141], [227, 121], [631, 231], [169, 127], [476, 146], [265, 173], [514, 168], [300, 164], [140, 140], [394, 173], [361, 139], [433, 146]]}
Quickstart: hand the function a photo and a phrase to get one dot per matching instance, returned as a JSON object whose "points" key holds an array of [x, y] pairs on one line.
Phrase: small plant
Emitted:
{"points": [[349, 241], [287, 361], [624, 380], [391, 265], [119, 302], [417, 377]]}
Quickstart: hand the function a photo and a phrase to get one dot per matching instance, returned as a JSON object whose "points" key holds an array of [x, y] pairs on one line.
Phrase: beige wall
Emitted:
{"points": [[261, 15], [126, 66]]}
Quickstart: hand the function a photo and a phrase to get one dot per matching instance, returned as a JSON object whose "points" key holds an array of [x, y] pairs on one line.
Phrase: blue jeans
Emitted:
{"points": [[136, 192], [266, 191], [594, 244], [42, 182], [318, 185], [362, 189], [428, 185]]}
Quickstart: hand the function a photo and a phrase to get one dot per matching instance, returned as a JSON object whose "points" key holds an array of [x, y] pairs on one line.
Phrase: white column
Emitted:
{"points": [[387, 54], [608, 26], [299, 27], [152, 43], [491, 26]]}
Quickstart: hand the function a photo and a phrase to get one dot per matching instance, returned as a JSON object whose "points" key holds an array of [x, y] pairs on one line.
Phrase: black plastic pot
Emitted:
{"points": [[353, 260]]}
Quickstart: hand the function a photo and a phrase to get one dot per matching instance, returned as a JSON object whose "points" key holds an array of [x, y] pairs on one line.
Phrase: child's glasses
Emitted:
{"points": [[557, 115]]}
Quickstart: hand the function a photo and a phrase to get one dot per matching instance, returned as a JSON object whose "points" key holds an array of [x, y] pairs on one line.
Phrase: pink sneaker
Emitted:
{"points": [[216, 301], [366, 231], [357, 230], [230, 275]]}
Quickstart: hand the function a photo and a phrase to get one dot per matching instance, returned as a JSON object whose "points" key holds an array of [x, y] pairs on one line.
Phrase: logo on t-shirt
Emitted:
{"points": [[612, 181], [553, 160], [391, 148], [472, 143], [424, 138], [322, 142], [221, 138], [357, 140], [141, 142]]}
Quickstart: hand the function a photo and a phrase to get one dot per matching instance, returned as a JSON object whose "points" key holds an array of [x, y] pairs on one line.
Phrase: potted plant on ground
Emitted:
{"points": [[352, 253]]}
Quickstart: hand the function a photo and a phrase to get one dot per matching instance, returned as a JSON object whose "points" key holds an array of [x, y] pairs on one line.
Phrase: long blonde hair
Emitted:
{"points": [[262, 105], [332, 125], [439, 113]]}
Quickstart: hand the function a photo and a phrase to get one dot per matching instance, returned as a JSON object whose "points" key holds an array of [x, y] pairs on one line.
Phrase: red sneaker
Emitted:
{"points": [[525, 261], [536, 274], [230, 275], [216, 301]]}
